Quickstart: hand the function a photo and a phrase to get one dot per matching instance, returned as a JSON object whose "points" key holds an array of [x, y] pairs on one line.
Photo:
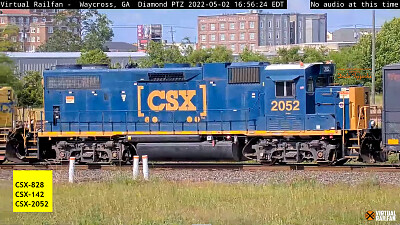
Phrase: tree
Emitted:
{"points": [[7, 77], [313, 55], [97, 31], [211, 55], [96, 56], [6, 35], [249, 56], [220, 54], [31, 94], [62, 41], [387, 48], [158, 54], [87, 30], [287, 55]]}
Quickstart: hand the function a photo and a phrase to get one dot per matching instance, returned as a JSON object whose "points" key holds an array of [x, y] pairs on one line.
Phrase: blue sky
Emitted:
{"points": [[185, 21]]}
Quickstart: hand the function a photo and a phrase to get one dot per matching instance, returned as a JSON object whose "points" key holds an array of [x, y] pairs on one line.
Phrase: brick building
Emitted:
{"points": [[235, 31], [254, 29], [35, 25]]}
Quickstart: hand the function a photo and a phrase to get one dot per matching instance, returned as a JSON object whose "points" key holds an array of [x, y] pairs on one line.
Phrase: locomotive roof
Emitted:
{"points": [[289, 66]]}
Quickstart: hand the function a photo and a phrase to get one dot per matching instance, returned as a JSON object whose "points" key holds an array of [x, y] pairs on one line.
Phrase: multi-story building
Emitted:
{"points": [[350, 34], [254, 29], [235, 31], [35, 25]]}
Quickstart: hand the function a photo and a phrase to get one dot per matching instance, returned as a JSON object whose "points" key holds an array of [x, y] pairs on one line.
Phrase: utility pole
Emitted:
{"points": [[172, 34], [373, 58]]}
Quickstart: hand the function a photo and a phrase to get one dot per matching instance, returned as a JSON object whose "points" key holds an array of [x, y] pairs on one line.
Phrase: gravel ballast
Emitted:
{"points": [[230, 176]]}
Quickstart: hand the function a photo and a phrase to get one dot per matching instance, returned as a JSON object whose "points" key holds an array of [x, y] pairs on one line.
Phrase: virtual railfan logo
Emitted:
{"points": [[381, 215]]}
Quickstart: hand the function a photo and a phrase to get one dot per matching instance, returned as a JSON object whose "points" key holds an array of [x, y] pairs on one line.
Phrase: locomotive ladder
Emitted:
{"points": [[31, 141], [3, 142], [355, 142]]}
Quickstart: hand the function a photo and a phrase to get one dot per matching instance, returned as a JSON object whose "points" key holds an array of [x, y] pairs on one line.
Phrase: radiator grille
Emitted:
{"points": [[244, 75]]}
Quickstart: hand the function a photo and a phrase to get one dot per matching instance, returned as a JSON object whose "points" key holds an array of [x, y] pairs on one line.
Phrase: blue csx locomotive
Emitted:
{"points": [[218, 111]]}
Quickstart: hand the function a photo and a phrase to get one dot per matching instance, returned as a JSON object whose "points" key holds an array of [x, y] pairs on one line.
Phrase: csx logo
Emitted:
{"points": [[169, 100]]}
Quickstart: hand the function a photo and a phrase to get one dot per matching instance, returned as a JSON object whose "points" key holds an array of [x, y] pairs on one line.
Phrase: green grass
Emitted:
{"points": [[124, 201]]}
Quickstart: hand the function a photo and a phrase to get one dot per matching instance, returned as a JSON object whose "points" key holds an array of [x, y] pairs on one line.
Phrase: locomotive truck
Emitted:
{"points": [[218, 111]]}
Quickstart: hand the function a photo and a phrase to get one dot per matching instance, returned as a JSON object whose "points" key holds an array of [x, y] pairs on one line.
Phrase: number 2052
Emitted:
{"points": [[285, 105]]}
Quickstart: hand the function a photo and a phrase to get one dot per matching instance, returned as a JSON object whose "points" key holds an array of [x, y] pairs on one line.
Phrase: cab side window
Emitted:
{"points": [[285, 89]]}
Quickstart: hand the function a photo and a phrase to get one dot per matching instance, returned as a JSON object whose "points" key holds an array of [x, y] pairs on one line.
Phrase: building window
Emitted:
{"points": [[38, 39], [50, 30], [12, 19], [252, 36], [203, 37], [277, 24], [269, 35], [14, 39], [44, 19], [277, 35], [252, 46], [285, 23], [32, 39], [38, 30], [241, 36], [300, 23], [27, 20], [285, 89], [222, 26], [212, 46], [34, 19], [241, 25], [222, 37], [75, 30], [33, 30], [2, 20], [212, 37], [232, 37], [21, 20], [203, 47], [261, 24], [232, 26], [212, 26], [285, 34], [300, 35], [251, 24], [233, 48], [270, 24], [242, 47], [203, 27]]}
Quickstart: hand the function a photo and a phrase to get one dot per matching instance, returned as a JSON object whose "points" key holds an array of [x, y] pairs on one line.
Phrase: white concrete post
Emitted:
{"points": [[145, 167], [135, 167], [71, 169]]}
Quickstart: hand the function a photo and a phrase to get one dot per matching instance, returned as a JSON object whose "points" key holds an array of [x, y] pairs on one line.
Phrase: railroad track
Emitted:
{"points": [[213, 166]]}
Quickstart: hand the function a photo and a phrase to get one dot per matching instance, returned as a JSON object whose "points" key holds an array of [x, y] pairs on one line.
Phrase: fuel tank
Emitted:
{"points": [[189, 151]]}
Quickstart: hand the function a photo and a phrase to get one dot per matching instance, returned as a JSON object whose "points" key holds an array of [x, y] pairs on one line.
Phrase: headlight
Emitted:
{"points": [[372, 123]]}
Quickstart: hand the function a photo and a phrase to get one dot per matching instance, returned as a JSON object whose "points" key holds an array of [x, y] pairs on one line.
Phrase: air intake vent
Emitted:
{"points": [[166, 77], [244, 75]]}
